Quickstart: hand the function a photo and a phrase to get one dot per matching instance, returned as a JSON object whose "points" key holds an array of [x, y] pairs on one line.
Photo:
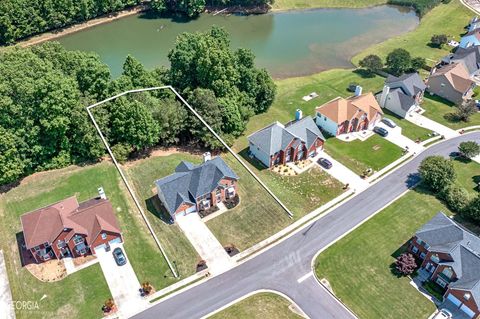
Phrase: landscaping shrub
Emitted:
{"points": [[405, 264], [433, 289], [232, 202], [456, 197]]}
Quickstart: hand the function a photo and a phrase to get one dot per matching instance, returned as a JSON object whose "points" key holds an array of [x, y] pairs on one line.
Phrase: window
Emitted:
{"points": [[60, 244], [77, 240], [441, 283], [104, 236], [36, 248], [415, 249], [422, 255], [447, 272], [435, 258], [419, 241]]}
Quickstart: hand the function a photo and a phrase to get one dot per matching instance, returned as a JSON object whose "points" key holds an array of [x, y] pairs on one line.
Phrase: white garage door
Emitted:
{"points": [[115, 241], [189, 210], [467, 311], [453, 299], [97, 248]]}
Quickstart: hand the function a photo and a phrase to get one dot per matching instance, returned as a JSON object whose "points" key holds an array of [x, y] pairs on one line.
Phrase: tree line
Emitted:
{"points": [[420, 6], [44, 91]]}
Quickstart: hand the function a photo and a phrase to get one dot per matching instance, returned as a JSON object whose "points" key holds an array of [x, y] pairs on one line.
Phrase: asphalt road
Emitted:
{"points": [[280, 267]]}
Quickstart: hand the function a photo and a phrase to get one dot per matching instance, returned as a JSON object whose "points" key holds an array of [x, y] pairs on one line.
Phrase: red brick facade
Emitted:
{"points": [[298, 153]]}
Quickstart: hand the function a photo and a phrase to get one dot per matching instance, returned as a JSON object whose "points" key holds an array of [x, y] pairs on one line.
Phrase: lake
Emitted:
{"points": [[290, 43]]}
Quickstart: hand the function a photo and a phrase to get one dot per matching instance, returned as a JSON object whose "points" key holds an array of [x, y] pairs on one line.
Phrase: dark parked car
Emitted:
{"points": [[325, 163], [380, 131], [119, 256]]}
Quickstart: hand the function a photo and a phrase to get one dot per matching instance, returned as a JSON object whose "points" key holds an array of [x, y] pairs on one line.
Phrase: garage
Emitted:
{"points": [[467, 311], [454, 299], [117, 240], [191, 209]]}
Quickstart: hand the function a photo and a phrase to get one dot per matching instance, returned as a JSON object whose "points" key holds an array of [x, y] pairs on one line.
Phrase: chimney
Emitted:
{"points": [[101, 192], [358, 90], [206, 157], [383, 98], [298, 114]]}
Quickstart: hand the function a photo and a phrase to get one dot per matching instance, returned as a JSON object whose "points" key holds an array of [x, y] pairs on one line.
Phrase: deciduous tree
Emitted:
{"points": [[437, 172]]}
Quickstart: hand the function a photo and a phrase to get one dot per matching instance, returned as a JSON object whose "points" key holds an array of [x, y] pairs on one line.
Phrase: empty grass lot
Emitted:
{"points": [[305, 4], [79, 295], [375, 153], [358, 266], [259, 306], [449, 19], [441, 111]]}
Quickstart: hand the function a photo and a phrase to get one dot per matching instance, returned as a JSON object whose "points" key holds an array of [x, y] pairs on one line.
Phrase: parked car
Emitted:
{"points": [[443, 314], [389, 122], [325, 163], [119, 256], [380, 131]]}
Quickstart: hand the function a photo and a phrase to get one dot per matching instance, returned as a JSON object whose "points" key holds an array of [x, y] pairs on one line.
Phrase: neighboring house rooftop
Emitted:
{"points": [[276, 136], [457, 75], [340, 109], [191, 181], [411, 84], [88, 218], [470, 57], [442, 234]]}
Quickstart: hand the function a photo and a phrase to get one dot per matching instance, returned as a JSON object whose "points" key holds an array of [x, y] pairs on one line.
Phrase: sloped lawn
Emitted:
{"points": [[441, 111]]}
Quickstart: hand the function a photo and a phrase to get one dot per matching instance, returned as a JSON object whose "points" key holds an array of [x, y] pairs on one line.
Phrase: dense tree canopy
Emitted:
{"points": [[437, 172]]}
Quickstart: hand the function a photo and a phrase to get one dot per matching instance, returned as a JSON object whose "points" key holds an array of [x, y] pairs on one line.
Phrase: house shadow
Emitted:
{"points": [[252, 160], [155, 207], [26, 257]]}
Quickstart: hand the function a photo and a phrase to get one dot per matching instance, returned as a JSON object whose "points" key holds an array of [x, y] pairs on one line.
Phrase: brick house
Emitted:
{"points": [[450, 255], [197, 187], [356, 113], [280, 144], [70, 229]]}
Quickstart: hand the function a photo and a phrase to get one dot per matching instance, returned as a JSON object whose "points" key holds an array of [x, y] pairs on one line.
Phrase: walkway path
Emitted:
{"points": [[122, 282], [6, 302], [205, 243], [281, 266], [427, 123]]}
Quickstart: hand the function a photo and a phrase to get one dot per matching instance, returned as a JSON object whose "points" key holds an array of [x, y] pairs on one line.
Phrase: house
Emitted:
{"points": [[474, 24], [356, 113], [451, 82], [469, 57], [450, 257], [193, 188], [402, 95], [70, 229], [280, 144], [472, 38]]}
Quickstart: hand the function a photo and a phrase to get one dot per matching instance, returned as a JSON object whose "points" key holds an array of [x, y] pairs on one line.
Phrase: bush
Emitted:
{"points": [[438, 40], [405, 264], [473, 210], [456, 197], [232, 202], [433, 289], [437, 172], [121, 152]]}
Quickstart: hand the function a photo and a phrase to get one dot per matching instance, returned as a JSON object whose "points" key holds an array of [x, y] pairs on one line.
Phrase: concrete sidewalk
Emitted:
{"points": [[342, 173], [205, 243], [427, 123], [6, 302], [396, 137]]}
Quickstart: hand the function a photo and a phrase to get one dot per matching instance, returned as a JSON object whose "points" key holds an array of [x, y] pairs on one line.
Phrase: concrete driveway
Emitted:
{"points": [[205, 243], [122, 282], [342, 173], [427, 123], [396, 137]]}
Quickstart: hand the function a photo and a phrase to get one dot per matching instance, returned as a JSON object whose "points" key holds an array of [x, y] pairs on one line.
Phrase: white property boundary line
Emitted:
{"points": [[255, 292], [117, 165]]}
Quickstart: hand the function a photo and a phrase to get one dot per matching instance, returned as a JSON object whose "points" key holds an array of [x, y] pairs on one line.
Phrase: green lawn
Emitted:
{"points": [[375, 153], [304, 4], [468, 175], [259, 306], [441, 111], [79, 295], [409, 129], [449, 19]]}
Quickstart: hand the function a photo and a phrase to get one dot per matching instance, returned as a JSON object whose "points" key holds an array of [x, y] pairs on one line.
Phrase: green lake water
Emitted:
{"points": [[290, 43]]}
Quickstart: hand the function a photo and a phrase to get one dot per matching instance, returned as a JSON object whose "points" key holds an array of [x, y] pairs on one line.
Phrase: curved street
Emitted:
{"points": [[280, 267]]}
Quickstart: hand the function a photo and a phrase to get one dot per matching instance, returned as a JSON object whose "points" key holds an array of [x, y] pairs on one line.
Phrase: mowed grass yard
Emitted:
{"points": [[449, 19], [375, 153], [304, 4], [259, 306], [441, 111], [409, 129], [358, 266], [82, 294]]}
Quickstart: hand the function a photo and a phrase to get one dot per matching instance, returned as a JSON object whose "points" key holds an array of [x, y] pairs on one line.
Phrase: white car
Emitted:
{"points": [[443, 314], [389, 122]]}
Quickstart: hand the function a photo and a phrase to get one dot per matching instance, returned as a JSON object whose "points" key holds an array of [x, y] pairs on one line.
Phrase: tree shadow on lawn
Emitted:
{"points": [[252, 160], [155, 207], [476, 180], [365, 74], [412, 180]]}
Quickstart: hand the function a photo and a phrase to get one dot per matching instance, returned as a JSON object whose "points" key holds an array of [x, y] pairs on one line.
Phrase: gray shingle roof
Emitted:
{"points": [[444, 235], [190, 181], [410, 83], [470, 57], [276, 137]]}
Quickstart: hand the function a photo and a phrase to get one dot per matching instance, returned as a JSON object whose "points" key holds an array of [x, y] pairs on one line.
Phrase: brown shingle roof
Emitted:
{"points": [[89, 218], [457, 75], [340, 110]]}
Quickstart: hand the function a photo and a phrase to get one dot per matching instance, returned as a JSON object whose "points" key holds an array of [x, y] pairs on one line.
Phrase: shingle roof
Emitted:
{"points": [[457, 75], [276, 136], [411, 84], [88, 218], [442, 234], [190, 181], [470, 57]]}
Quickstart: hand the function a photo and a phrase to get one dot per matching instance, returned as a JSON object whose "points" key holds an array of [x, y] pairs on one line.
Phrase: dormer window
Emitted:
{"points": [[435, 258]]}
